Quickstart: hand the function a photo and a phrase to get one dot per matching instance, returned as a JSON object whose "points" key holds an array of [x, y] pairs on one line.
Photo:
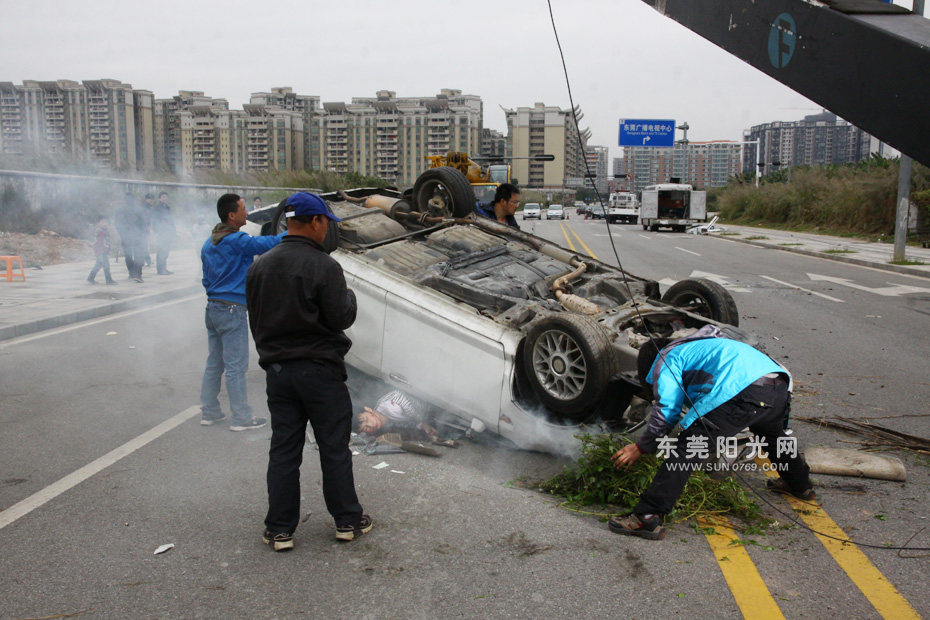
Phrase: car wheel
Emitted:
{"points": [[443, 192], [279, 225], [569, 362], [703, 297]]}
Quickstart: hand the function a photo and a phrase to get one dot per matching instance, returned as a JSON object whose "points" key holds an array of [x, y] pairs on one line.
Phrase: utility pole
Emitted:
{"points": [[904, 186]]}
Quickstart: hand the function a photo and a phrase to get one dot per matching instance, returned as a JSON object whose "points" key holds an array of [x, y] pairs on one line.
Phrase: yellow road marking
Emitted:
{"points": [[568, 240], [586, 248], [751, 594], [887, 601]]}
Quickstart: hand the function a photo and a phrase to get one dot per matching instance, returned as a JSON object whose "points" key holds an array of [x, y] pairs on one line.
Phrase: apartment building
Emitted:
{"points": [[818, 139], [701, 164], [596, 157], [493, 144], [308, 106], [548, 130], [93, 120], [166, 126]]}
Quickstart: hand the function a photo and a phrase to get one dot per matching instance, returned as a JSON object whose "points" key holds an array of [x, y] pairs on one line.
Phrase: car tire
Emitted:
{"points": [[704, 297], [443, 192], [569, 361], [279, 225]]}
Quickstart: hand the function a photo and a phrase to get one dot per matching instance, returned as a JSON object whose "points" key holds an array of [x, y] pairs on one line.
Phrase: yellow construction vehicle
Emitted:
{"points": [[484, 180]]}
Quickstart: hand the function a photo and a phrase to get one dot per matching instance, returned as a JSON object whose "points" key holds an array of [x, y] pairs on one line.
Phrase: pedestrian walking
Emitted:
{"points": [[299, 307], [165, 232], [132, 225], [101, 252], [226, 257]]}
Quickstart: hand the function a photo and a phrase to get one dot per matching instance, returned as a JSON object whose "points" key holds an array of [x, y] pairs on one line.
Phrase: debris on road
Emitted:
{"points": [[164, 548], [380, 465], [847, 462], [877, 436]]}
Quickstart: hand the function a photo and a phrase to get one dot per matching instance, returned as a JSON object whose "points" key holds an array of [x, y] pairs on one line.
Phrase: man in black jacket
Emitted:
{"points": [[299, 305]]}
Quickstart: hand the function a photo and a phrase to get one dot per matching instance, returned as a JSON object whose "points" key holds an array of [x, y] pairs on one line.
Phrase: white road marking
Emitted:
{"points": [[889, 291], [97, 321], [645, 237], [789, 285], [688, 251], [73, 479], [721, 280]]}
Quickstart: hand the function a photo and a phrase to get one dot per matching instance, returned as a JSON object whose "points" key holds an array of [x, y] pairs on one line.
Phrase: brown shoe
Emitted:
{"points": [[643, 526]]}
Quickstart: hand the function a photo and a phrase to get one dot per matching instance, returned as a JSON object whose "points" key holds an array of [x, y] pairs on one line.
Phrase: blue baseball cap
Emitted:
{"points": [[305, 203]]}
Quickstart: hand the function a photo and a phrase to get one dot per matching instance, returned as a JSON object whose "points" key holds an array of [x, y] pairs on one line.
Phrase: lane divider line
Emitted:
{"points": [[645, 236], [884, 597], [571, 246], [73, 479], [752, 595], [586, 248], [789, 285], [688, 251]]}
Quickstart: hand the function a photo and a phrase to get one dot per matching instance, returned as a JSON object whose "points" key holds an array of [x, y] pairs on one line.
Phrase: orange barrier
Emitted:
{"points": [[9, 268]]}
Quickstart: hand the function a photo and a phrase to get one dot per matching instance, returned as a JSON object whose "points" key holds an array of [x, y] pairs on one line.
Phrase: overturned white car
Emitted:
{"points": [[501, 328]]}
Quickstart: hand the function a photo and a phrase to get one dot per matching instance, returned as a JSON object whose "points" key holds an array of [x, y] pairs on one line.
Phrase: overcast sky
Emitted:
{"points": [[624, 59]]}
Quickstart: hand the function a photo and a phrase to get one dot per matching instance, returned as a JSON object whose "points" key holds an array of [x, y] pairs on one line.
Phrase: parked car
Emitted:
{"points": [[596, 212], [504, 330], [531, 211], [555, 212]]}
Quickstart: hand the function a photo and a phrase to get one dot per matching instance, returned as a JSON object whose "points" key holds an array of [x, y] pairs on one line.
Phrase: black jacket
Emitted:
{"points": [[299, 305]]}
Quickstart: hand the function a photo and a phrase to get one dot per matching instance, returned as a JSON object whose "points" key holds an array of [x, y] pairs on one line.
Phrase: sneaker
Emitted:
{"points": [[348, 533], [643, 526], [139, 280], [279, 541], [780, 486], [206, 420], [112, 282], [250, 425], [89, 281]]}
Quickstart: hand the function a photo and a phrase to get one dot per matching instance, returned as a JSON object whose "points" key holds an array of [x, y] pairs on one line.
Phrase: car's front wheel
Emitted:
{"points": [[569, 362], [703, 297]]}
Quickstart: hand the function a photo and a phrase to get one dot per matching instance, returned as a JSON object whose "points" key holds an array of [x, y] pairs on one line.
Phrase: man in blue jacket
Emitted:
{"points": [[226, 257], [726, 386]]}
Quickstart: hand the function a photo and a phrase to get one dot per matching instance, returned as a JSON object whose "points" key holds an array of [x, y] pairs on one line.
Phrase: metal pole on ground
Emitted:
{"points": [[900, 218]]}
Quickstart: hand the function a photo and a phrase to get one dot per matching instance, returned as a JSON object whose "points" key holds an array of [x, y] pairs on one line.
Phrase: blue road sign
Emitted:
{"points": [[647, 132]]}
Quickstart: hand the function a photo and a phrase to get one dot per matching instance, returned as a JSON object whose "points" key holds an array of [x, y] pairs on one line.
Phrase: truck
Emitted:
{"points": [[622, 207], [672, 205]]}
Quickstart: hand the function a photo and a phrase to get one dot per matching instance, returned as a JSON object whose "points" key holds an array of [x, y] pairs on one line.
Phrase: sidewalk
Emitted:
{"points": [[842, 249], [59, 295]]}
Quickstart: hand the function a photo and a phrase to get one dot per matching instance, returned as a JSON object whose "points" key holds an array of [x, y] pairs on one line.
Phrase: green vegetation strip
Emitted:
{"points": [[594, 481], [839, 251]]}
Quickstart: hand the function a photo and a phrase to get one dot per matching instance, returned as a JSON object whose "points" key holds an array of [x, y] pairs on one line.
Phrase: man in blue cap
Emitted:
{"points": [[299, 307]]}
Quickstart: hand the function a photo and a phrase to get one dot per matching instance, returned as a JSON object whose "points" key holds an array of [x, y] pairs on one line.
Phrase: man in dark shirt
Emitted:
{"points": [[505, 204], [299, 305]]}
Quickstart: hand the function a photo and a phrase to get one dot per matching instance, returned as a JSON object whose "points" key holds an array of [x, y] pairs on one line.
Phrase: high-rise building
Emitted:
{"points": [[597, 166], [493, 144], [819, 139], [701, 164], [93, 120], [167, 126], [308, 106], [546, 130]]}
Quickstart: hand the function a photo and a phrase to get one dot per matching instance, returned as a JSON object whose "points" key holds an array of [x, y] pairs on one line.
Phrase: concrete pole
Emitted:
{"points": [[758, 170], [900, 219]]}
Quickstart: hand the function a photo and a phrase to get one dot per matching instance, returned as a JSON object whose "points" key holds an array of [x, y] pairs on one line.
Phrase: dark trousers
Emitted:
{"points": [[764, 409], [300, 392], [135, 255], [162, 249]]}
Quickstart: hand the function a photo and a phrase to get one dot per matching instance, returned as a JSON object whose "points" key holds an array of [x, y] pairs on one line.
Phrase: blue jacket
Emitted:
{"points": [[711, 368], [226, 257], [487, 210]]}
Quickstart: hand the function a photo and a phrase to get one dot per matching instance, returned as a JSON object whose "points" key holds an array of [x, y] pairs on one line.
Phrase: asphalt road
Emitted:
{"points": [[453, 537]]}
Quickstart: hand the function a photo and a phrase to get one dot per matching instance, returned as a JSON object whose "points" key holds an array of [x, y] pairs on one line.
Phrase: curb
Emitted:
{"points": [[834, 257], [68, 318]]}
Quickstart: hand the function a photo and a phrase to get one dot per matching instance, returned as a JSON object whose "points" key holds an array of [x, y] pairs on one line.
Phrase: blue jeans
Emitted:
{"points": [[228, 339]]}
